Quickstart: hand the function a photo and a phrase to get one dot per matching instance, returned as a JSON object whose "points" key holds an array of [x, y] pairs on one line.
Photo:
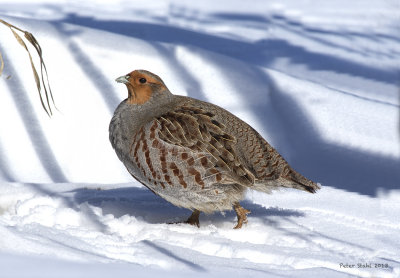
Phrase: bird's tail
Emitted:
{"points": [[292, 179], [298, 181]]}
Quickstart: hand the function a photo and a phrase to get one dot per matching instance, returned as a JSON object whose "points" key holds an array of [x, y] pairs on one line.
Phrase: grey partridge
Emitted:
{"points": [[192, 153]]}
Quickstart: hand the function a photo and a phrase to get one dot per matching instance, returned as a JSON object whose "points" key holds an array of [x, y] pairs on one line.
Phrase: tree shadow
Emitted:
{"points": [[101, 82], [32, 125], [261, 53], [174, 256], [5, 170], [328, 163], [312, 32]]}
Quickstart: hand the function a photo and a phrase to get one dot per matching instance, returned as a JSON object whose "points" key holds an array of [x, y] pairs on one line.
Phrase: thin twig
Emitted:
{"points": [[43, 82]]}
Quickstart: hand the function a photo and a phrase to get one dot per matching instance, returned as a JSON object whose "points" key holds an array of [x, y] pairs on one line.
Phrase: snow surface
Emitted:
{"points": [[318, 79]]}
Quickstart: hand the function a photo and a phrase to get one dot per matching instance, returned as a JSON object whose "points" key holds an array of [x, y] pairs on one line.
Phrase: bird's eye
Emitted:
{"points": [[142, 80], [127, 76]]}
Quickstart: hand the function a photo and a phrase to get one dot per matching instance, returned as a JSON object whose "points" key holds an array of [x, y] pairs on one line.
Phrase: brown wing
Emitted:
{"points": [[264, 163], [188, 146]]}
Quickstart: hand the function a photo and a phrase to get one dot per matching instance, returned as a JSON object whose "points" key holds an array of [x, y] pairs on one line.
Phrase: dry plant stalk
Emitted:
{"points": [[43, 71]]}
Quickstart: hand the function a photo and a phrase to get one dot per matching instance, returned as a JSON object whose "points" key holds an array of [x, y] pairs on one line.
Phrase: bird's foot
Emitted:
{"points": [[192, 220], [241, 214]]}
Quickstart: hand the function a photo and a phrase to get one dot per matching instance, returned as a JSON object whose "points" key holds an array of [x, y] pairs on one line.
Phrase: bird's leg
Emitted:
{"points": [[194, 218], [241, 215]]}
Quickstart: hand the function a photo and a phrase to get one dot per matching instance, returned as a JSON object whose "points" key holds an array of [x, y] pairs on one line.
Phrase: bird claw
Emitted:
{"points": [[241, 214], [193, 223], [192, 220]]}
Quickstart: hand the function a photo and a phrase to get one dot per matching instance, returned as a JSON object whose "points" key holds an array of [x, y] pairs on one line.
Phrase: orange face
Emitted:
{"points": [[141, 86]]}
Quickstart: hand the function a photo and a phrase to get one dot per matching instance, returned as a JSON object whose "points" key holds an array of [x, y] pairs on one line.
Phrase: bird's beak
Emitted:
{"points": [[123, 79]]}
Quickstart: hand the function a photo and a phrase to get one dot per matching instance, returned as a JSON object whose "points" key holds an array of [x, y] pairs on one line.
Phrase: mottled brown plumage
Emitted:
{"points": [[192, 153]]}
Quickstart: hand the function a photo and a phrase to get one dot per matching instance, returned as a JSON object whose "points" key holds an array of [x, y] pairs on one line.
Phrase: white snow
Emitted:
{"points": [[318, 79]]}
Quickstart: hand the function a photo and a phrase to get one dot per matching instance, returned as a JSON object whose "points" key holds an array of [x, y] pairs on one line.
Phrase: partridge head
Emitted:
{"points": [[192, 153], [142, 85]]}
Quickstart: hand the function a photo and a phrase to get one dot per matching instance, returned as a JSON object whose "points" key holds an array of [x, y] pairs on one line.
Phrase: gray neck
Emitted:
{"points": [[139, 114], [129, 118]]}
